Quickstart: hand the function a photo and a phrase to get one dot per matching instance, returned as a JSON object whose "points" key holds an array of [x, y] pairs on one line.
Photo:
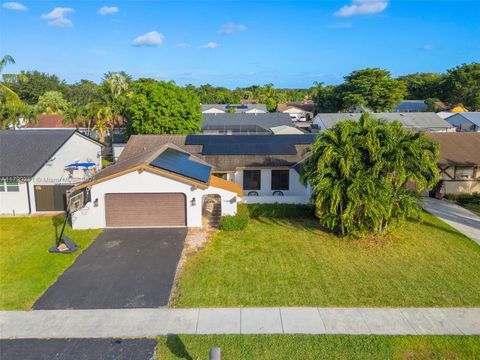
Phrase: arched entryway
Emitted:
{"points": [[211, 210]]}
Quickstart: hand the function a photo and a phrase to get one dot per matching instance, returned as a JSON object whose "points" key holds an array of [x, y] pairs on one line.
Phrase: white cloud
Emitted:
{"points": [[182, 45], [362, 7], [210, 45], [428, 47], [153, 38], [58, 17], [107, 10], [341, 25], [232, 27], [14, 6]]}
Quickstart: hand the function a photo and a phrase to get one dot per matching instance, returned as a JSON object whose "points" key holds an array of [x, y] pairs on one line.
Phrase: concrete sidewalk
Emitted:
{"points": [[162, 321], [456, 216]]}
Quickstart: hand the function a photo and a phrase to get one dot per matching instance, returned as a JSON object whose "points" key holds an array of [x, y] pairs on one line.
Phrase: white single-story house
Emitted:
{"points": [[165, 180], [234, 108], [459, 162], [465, 121], [38, 166], [416, 121], [298, 110]]}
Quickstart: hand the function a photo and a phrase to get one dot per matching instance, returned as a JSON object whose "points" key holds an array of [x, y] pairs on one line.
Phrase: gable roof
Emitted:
{"points": [[140, 145], [239, 108], [473, 117], [419, 121], [49, 121], [458, 148], [23, 153], [411, 105], [245, 122]]}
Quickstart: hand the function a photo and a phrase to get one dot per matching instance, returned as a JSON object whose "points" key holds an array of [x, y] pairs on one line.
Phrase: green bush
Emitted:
{"points": [[105, 163], [464, 198], [235, 222], [280, 211]]}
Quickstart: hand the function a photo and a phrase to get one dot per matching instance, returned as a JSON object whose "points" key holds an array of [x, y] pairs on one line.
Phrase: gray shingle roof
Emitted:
{"points": [[24, 152], [230, 121], [411, 105], [239, 108], [419, 121], [473, 117], [142, 145]]}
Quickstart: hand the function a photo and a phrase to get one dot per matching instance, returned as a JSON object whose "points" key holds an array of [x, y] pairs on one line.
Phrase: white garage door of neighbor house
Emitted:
{"points": [[145, 210]]}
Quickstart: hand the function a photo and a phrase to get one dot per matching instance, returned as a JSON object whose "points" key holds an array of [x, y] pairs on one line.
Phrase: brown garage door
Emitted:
{"points": [[130, 210]]}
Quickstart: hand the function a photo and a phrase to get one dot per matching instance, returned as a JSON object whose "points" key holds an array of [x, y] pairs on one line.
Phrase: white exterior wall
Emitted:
{"points": [[91, 217], [317, 121], [117, 150], [213, 111], [76, 149], [296, 194], [15, 202]]}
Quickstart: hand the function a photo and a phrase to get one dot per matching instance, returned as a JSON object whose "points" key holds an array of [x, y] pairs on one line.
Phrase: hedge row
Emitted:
{"points": [[280, 211], [235, 222]]}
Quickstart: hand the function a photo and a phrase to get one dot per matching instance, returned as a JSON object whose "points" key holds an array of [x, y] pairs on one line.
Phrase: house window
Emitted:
{"points": [[251, 180], [280, 179], [464, 173], [220, 175], [9, 186]]}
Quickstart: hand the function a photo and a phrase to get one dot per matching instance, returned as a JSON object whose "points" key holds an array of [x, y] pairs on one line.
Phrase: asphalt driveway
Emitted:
{"points": [[122, 268]]}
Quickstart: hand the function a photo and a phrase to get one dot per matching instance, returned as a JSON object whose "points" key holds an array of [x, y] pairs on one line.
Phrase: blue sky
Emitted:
{"points": [[287, 43]]}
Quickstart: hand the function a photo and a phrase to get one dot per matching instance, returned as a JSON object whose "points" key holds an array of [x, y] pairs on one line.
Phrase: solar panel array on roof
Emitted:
{"points": [[179, 163], [249, 144]]}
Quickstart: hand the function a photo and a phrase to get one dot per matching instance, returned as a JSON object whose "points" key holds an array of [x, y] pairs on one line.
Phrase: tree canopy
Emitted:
{"points": [[158, 107], [367, 174], [462, 85]]}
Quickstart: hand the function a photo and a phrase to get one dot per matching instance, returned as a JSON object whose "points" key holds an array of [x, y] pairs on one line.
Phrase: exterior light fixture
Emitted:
{"points": [[193, 202], [95, 203]]}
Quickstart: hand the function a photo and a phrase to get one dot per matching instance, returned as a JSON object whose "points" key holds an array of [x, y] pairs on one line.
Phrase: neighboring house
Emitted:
{"points": [[234, 108], [298, 110], [417, 121], [411, 106], [243, 123], [459, 162], [445, 114], [52, 122], [38, 166], [286, 130], [165, 180], [465, 121]]}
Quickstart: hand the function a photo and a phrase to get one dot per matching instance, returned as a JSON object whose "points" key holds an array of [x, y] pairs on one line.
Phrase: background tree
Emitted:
{"points": [[52, 102], [373, 88], [421, 86], [12, 109], [30, 85], [367, 174], [462, 85], [157, 107], [82, 93]]}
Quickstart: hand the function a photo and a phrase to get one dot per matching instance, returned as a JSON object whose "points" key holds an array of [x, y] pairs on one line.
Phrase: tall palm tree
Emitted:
{"points": [[368, 173]]}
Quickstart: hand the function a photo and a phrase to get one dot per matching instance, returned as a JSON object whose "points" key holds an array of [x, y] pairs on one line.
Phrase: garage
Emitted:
{"points": [[145, 210]]}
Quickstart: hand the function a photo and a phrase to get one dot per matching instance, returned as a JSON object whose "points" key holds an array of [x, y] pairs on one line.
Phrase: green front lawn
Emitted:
{"points": [[27, 269], [295, 263], [319, 347]]}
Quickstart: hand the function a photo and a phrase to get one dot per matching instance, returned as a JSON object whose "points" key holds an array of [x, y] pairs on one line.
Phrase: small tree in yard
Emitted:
{"points": [[367, 174]]}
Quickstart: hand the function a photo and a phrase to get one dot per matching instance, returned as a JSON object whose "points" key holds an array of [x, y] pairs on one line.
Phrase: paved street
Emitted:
{"points": [[162, 321], [456, 216]]}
